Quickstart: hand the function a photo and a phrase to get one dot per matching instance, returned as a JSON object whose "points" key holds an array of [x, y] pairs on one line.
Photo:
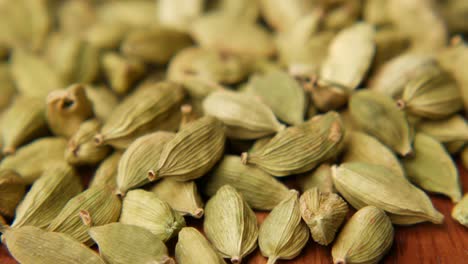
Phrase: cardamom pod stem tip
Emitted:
{"points": [[152, 175], [199, 212], [272, 260], [86, 217], [236, 260], [9, 150], [401, 104], [99, 139]]}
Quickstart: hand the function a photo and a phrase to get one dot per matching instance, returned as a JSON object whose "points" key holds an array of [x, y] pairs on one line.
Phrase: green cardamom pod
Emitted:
{"points": [[320, 178], [230, 224], [363, 184], [323, 213], [122, 72], [183, 197], [105, 35], [145, 110], [82, 149], [432, 168], [259, 143], [379, 116], [283, 234], [68, 109], [103, 99], [139, 158], [365, 238], [460, 211], [94, 207], [7, 86], [144, 209], [23, 120], [29, 244], [259, 189], [106, 173], [47, 196], [361, 147], [447, 130], [32, 159], [244, 116], [192, 152], [119, 244], [305, 146], [193, 248], [12, 190]]}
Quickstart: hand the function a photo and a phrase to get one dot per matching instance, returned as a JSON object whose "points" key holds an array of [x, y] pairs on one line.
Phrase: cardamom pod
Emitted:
{"points": [[230, 224], [144, 209], [183, 197], [29, 244], [103, 100], [75, 17], [82, 149], [378, 116], [32, 159], [179, 14], [12, 190], [305, 146], [119, 243], [154, 44], [366, 237], [320, 178], [460, 211], [244, 116], [259, 189], [47, 196], [389, 43], [241, 10], [139, 158], [364, 184], [282, 94], [23, 120], [136, 13], [323, 213], [432, 168], [106, 173], [7, 86], [147, 109], [192, 152], [105, 35], [122, 72], [193, 248], [283, 234], [282, 15], [361, 147], [447, 130], [68, 109], [455, 147], [259, 143], [94, 207]]}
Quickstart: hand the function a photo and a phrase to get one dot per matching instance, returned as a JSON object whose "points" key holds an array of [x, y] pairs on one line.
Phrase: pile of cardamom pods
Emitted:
{"points": [[213, 109]]}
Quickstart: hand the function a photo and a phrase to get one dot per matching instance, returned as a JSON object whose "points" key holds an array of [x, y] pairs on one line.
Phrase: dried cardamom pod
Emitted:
{"points": [[320, 178], [283, 15], [179, 14], [103, 100], [119, 243], [432, 168], [379, 116], [122, 72], [81, 146], [245, 10], [447, 130], [323, 213], [68, 109], [305, 146], [363, 184], [106, 173], [192, 152], [33, 76], [434, 95], [366, 237], [47, 196], [29, 244], [155, 44], [230, 224], [135, 13], [12, 190], [32, 159], [259, 189], [181, 196], [139, 158], [24, 120], [282, 94], [148, 109], [361, 147], [283, 234], [105, 35], [245, 38], [94, 207], [460, 211], [244, 115], [145, 209], [7, 86], [193, 248]]}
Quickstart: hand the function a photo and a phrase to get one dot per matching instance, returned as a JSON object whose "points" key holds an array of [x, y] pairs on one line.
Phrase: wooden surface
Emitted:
{"points": [[422, 243]]}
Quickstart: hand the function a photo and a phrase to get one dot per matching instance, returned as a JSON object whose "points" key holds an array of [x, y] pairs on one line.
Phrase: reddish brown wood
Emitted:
{"points": [[423, 243]]}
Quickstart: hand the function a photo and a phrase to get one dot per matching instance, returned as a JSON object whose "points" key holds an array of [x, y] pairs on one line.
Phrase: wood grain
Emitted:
{"points": [[422, 243]]}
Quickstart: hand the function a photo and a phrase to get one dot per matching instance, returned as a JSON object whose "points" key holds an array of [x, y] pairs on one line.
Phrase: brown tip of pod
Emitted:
{"points": [[236, 260], [120, 193], [86, 217], [401, 104], [245, 158], [9, 151], [198, 213], [340, 261], [99, 139], [152, 175]]}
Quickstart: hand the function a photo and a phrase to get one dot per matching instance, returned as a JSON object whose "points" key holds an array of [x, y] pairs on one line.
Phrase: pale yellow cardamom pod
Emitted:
{"points": [[193, 248], [447, 130], [122, 72]]}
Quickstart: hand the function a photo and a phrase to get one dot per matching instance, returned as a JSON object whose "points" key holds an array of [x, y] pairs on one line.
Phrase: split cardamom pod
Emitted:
{"points": [[283, 234], [366, 237], [193, 248], [230, 224], [122, 72], [106, 173], [12, 190], [323, 213], [320, 178], [460, 211]]}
